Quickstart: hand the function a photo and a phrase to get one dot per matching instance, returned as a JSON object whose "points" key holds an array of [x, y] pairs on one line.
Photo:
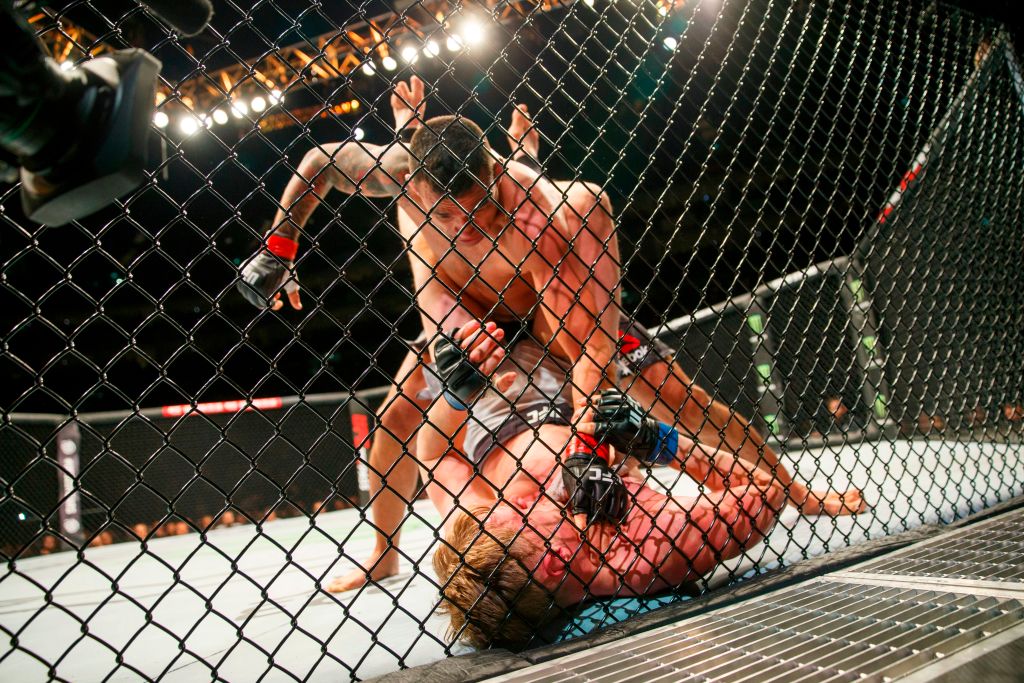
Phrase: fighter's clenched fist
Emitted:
{"points": [[268, 272]]}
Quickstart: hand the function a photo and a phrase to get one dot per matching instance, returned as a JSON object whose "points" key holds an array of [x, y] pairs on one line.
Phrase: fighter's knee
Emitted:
{"points": [[400, 416]]}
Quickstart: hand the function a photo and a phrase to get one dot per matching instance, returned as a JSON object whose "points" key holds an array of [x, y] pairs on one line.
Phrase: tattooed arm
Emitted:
{"points": [[351, 167], [371, 170]]}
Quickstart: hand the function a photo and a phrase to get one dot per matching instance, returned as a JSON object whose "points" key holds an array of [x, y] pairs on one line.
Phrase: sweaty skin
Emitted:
{"points": [[664, 541], [487, 256], [484, 255]]}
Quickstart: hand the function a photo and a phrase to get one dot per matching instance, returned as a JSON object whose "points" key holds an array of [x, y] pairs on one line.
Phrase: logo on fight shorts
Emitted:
{"points": [[541, 415], [631, 348]]}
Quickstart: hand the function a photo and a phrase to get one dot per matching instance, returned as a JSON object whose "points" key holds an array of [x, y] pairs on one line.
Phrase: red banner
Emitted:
{"points": [[218, 407]]}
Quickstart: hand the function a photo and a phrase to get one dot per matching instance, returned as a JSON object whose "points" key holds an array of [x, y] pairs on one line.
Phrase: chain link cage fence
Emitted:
{"points": [[814, 207]]}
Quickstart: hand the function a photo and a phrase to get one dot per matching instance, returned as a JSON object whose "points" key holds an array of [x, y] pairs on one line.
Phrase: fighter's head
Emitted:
{"points": [[504, 578], [487, 584], [452, 173]]}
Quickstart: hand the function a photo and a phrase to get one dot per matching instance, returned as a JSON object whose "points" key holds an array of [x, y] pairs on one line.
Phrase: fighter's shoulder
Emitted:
{"points": [[584, 196]]}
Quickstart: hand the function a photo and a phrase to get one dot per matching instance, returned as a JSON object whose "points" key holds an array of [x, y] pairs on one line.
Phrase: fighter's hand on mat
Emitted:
{"points": [[523, 136], [467, 358], [408, 103], [264, 277]]}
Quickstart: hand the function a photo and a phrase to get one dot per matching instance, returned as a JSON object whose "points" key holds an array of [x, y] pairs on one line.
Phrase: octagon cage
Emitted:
{"points": [[435, 327]]}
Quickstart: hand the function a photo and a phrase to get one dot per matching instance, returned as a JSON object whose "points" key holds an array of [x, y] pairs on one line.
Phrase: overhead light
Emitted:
{"points": [[160, 119], [368, 68], [239, 109], [662, 10], [389, 63], [359, 133], [588, 3], [189, 125], [432, 49], [220, 116], [355, 105], [671, 43], [275, 97], [258, 104], [67, 65], [454, 42], [472, 31], [205, 120], [410, 54]]}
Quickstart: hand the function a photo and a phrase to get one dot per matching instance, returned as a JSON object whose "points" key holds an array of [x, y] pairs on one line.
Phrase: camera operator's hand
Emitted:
{"points": [[270, 271], [408, 103], [596, 492], [621, 422]]}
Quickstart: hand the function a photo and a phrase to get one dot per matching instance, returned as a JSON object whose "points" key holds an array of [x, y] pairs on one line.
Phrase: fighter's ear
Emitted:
{"points": [[552, 564]]}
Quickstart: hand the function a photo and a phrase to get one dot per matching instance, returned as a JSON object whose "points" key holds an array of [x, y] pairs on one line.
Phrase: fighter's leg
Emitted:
{"points": [[393, 474], [675, 398]]}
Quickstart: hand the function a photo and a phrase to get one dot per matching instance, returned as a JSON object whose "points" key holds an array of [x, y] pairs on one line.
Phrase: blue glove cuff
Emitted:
{"points": [[454, 401], [668, 444]]}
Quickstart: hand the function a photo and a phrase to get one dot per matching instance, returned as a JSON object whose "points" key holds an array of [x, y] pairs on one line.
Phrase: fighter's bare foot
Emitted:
{"points": [[833, 503], [358, 578]]}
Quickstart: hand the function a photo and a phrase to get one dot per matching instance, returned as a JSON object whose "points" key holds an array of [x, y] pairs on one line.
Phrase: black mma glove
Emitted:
{"points": [[268, 271], [622, 423], [594, 489], [463, 382]]}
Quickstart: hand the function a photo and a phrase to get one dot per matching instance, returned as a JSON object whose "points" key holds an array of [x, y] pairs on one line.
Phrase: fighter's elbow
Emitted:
{"points": [[313, 162]]}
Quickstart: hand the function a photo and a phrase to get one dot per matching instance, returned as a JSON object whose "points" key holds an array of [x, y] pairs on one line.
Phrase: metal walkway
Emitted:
{"points": [[938, 609]]}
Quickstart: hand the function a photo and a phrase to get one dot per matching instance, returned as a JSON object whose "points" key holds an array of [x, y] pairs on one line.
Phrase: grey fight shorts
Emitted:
{"points": [[542, 392]]}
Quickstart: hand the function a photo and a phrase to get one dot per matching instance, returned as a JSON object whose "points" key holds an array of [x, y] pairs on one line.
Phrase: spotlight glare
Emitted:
{"points": [[389, 63], [258, 104], [189, 125], [662, 10], [432, 49], [161, 119], [67, 65], [369, 69], [220, 116], [410, 54], [355, 105], [472, 31], [359, 133], [239, 109], [454, 42], [275, 97], [205, 120], [588, 3], [671, 43]]}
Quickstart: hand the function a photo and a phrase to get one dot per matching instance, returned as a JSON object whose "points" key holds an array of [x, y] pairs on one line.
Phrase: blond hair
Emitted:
{"points": [[486, 585]]}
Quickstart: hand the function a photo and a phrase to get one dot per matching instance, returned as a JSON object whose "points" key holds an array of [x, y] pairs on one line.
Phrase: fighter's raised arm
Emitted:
{"points": [[352, 167]]}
